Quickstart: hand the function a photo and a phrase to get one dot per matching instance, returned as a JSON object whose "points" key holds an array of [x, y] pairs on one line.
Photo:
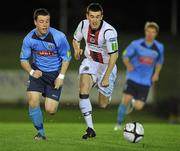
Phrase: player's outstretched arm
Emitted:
{"points": [[159, 65], [26, 66], [111, 64], [77, 50], [59, 80], [156, 74], [128, 65]]}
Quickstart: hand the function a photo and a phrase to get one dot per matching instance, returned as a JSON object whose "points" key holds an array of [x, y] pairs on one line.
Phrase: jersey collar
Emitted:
{"points": [[42, 37], [47, 38], [152, 46], [148, 45]]}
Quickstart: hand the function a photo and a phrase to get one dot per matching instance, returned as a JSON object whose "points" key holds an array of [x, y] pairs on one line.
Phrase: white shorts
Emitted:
{"points": [[97, 71]]}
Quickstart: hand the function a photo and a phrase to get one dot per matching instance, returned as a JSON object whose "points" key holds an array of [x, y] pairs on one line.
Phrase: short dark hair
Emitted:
{"points": [[95, 7], [40, 11]]}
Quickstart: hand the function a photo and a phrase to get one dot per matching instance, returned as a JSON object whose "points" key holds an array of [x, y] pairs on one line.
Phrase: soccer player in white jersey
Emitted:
{"points": [[99, 65]]}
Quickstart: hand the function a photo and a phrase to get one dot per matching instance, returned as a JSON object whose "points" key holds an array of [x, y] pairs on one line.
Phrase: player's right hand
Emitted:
{"points": [[155, 77], [130, 67], [78, 53], [37, 74]]}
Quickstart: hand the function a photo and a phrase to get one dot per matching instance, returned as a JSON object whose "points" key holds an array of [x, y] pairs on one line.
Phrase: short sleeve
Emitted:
{"points": [[64, 49], [160, 59], [25, 49], [78, 32], [110, 36], [129, 51]]}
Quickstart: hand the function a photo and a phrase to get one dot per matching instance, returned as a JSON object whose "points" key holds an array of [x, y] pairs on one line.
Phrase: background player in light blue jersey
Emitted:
{"points": [[51, 55], [143, 59]]}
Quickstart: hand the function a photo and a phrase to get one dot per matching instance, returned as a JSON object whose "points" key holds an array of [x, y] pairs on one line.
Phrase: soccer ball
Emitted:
{"points": [[133, 132]]}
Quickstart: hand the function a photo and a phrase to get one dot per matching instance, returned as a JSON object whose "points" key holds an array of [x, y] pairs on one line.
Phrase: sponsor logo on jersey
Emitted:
{"points": [[51, 46], [96, 47], [45, 53], [146, 60], [113, 39], [92, 40]]}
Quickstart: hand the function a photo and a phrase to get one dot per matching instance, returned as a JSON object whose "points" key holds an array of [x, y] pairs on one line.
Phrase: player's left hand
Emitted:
{"points": [[155, 77], [58, 83], [105, 82]]}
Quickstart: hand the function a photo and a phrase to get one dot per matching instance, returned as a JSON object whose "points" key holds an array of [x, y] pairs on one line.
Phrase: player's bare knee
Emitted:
{"points": [[32, 103], [84, 91], [126, 99], [103, 105], [83, 88], [51, 111], [125, 102], [138, 107]]}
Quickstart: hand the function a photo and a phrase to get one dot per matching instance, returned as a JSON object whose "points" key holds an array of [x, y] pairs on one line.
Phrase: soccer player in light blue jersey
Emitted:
{"points": [[51, 55], [143, 59]]}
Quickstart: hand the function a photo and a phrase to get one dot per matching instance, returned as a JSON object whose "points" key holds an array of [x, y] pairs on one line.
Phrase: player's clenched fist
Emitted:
{"points": [[36, 74], [78, 53], [105, 82], [130, 67], [58, 83], [155, 77]]}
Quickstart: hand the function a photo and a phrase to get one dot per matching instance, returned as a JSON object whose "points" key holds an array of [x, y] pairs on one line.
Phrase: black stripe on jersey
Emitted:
{"points": [[48, 38], [154, 47], [75, 39], [106, 31], [82, 25], [110, 53]]}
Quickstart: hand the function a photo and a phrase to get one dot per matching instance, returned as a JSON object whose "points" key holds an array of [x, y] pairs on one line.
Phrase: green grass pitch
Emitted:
{"points": [[67, 136], [64, 133]]}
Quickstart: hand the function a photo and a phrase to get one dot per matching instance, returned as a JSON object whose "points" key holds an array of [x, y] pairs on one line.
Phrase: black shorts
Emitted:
{"points": [[138, 91], [45, 85]]}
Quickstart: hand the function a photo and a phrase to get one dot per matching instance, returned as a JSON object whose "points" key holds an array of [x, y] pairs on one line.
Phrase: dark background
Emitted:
{"points": [[128, 17], [123, 15]]}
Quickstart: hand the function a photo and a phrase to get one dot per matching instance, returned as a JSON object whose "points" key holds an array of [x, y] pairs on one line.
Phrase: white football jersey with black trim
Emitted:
{"points": [[99, 43]]}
